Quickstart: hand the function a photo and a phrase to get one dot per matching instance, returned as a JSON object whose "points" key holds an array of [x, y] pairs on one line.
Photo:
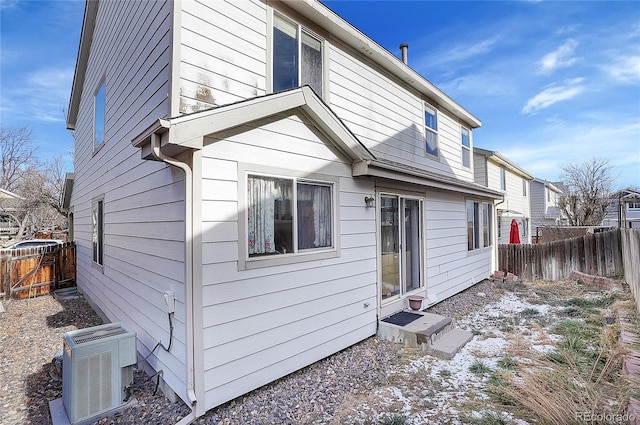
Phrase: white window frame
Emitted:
{"points": [[300, 29], [466, 150], [503, 179], [102, 88], [524, 188], [479, 242], [97, 231], [245, 262], [430, 130]]}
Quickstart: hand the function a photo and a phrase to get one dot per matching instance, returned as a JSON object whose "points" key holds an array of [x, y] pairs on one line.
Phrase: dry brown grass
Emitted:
{"points": [[558, 389]]}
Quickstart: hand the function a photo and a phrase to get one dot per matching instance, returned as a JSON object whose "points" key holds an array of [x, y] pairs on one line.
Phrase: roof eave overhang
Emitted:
{"points": [[86, 37], [498, 158], [348, 34], [67, 191], [191, 131], [407, 175]]}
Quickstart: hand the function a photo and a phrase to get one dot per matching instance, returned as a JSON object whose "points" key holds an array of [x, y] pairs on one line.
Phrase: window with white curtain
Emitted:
{"points": [[288, 216], [97, 231]]}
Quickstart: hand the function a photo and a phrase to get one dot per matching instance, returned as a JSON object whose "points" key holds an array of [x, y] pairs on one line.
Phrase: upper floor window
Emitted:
{"points": [[431, 130], [524, 187], [634, 205], [503, 179], [297, 56], [286, 215], [466, 148], [98, 116]]}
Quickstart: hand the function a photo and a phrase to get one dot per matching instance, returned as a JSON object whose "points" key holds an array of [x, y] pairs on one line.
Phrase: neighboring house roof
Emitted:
{"points": [[504, 161], [550, 185], [189, 131], [319, 14], [6, 194]]}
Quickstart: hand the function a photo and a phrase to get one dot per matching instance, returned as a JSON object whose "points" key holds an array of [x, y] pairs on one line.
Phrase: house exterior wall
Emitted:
{"points": [[224, 55], [143, 201], [451, 268], [263, 323], [544, 205], [516, 204]]}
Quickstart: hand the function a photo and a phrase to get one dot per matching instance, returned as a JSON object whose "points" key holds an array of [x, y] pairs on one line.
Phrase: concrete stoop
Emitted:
{"points": [[433, 333]]}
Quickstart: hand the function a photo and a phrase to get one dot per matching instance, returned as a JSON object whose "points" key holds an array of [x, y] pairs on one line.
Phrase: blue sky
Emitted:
{"points": [[553, 82]]}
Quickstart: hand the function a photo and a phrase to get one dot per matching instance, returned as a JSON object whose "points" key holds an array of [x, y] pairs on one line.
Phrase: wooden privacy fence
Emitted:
{"points": [[35, 271], [596, 254], [630, 239]]}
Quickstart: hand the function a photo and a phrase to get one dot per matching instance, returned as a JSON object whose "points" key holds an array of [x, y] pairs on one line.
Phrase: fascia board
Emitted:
{"points": [[369, 168], [86, 37], [350, 35], [190, 130]]}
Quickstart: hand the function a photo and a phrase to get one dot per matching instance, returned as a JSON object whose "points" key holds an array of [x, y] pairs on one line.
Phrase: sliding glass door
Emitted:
{"points": [[400, 245]]}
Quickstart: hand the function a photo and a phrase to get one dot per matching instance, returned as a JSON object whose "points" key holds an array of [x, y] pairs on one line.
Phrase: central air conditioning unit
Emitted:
{"points": [[97, 366]]}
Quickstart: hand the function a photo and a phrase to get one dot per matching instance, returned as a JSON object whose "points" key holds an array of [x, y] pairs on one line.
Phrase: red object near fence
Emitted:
{"points": [[514, 235]]}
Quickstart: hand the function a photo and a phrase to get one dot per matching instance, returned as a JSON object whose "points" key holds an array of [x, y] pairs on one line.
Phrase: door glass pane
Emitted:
{"points": [[411, 246], [390, 246], [285, 54]]}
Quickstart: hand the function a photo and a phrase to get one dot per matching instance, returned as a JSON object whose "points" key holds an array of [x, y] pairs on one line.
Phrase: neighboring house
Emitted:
{"points": [[629, 215], [287, 220], [495, 171], [9, 206], [545, 209]]}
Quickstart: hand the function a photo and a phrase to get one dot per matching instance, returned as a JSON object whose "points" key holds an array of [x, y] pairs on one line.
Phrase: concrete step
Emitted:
{"points": [[419, 333], [449, 345]]}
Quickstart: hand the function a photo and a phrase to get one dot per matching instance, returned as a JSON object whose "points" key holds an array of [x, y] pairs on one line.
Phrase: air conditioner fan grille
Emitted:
{"points": [[84, 337]]}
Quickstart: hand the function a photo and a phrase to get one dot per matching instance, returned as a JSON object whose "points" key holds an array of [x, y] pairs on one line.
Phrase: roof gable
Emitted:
{"points": [[189, 131]]}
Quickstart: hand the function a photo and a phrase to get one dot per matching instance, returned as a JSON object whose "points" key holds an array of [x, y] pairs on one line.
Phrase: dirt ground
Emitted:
{"points": [[530, 339]]}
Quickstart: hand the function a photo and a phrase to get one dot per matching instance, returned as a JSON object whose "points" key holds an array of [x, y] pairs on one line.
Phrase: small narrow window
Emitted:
{"points": [[473, 225], [431, 130], [297, 56], [466, 148], [97, 233], [503, 179], [524, 187], [487, 224], [98, 116]]}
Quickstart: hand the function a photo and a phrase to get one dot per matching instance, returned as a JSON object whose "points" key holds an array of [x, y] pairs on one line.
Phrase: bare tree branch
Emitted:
{"points": [[587, 194]]}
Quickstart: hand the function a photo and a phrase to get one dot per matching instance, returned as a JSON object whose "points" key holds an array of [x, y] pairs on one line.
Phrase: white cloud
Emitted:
{"points": [[554, 94], [41, 95], [624, 70], [562, 57]]}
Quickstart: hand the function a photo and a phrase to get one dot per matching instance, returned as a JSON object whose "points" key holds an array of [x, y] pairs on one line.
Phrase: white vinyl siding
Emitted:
{"points": [[450, 267], [292, 314], [388, 118], [143, 214], [223, 53]]}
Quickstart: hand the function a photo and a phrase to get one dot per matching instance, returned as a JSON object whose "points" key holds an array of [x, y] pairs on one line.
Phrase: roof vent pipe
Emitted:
{"points": [[403, 48]]}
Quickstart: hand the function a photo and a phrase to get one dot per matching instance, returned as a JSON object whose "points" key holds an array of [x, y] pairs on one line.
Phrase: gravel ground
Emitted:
{"points": [[31, 335]]}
